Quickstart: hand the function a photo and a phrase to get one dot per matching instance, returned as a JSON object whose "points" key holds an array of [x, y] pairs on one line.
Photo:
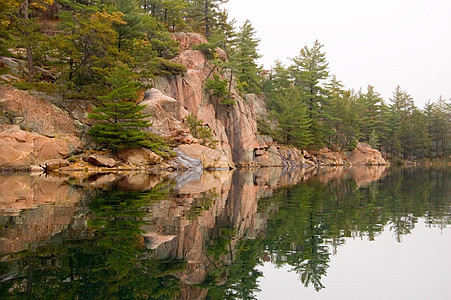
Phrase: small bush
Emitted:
{"points": [[158, 145], [44, 87], [217, 87], [209, 50], [201, 131], [166, 67]]}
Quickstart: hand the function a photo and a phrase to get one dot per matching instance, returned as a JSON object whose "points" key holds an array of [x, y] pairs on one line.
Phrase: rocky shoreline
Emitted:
{"points": [[41, 133]]}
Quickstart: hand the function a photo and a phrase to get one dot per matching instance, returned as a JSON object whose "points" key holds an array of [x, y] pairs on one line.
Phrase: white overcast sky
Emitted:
{"points": [[384, 43]]}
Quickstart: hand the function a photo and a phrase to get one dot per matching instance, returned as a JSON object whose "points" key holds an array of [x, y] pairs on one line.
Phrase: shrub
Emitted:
{"points": [[217, 87], [209, 50], [201, 131]]}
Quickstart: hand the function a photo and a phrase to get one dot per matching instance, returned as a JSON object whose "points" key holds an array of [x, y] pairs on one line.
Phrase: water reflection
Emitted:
{"points": [[199, 236]]}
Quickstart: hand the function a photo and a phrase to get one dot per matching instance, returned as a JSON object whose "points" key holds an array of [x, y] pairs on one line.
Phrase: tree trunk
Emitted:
{"points": [[207, 25], [25, 15]]}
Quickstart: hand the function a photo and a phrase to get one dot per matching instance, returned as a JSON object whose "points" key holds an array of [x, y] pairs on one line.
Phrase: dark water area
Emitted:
{"points": [[329, 233]]}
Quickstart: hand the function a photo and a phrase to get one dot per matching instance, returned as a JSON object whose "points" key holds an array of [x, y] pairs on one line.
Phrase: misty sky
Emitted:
{"points": [[384, 43]]}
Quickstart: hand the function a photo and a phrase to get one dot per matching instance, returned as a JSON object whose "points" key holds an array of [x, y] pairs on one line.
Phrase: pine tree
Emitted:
{"points": [[277, 80], [291, 114], [119, 120], [309, 70], [438, 121], [204, 16], [244, 58], [131, 28], [371, 102], [7, 13], [26, 29]]}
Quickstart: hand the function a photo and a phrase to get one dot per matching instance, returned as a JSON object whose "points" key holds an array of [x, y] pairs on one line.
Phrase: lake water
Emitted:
{"points": [[329, 233]]}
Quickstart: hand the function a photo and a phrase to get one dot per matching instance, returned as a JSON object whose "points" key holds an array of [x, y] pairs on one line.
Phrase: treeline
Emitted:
{"points": [[83, 42], [313, 109]]}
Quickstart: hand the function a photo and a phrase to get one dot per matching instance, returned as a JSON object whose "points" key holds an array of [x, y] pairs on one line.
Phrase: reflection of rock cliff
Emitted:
{"points": [[203, 221], [32, 209]]}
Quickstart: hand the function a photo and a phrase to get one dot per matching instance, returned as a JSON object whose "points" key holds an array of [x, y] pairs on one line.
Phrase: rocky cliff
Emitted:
{"points": [[173, 98]]}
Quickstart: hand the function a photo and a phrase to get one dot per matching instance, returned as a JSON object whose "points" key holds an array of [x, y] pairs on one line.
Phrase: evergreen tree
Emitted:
{"points": [[169, 12], [371, 102], [244, 57], [204, 16], [131, 28], [309, 70], [277, 80], [343, 117], [119, 120], [291, 114], [27, 30], [438, 121], [7, 14]]}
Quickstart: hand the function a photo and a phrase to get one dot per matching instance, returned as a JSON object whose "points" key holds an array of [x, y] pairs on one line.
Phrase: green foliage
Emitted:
{"points": [[209, 50], [167, 67], [119, 120], [158, 145], [205, 16], [291, 114], [42, 86], [201, 132], [343, 111], [438, 121], [244, 57], [7, 10], [218, 88]]}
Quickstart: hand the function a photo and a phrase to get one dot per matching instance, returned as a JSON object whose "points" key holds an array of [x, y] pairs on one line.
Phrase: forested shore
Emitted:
{"points": [[108, 52]]}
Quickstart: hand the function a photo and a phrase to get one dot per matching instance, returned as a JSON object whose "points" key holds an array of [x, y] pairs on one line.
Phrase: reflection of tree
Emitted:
{"points": [[312, 219], [297, 233], [108, 260], [240, 275], [305, 224], [201, 203]]}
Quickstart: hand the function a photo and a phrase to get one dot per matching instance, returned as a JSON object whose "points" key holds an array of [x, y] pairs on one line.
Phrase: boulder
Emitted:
{"points": [[21, 149], [211, 159], [140, 157], [8, 78], [54, 164], [36, 170], [293, 157], [101, 161], [221, 54], [364, 154]]}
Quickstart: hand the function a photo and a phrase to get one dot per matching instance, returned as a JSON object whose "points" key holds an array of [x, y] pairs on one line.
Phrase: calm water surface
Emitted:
{"points": [[332, 233]]}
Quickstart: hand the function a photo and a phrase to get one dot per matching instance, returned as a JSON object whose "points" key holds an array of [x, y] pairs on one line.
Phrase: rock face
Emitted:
{"points": [[188, 39], [234, 126], [364, 154], [166, 114], [35, 114], [327, 157], [20, 149]]}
